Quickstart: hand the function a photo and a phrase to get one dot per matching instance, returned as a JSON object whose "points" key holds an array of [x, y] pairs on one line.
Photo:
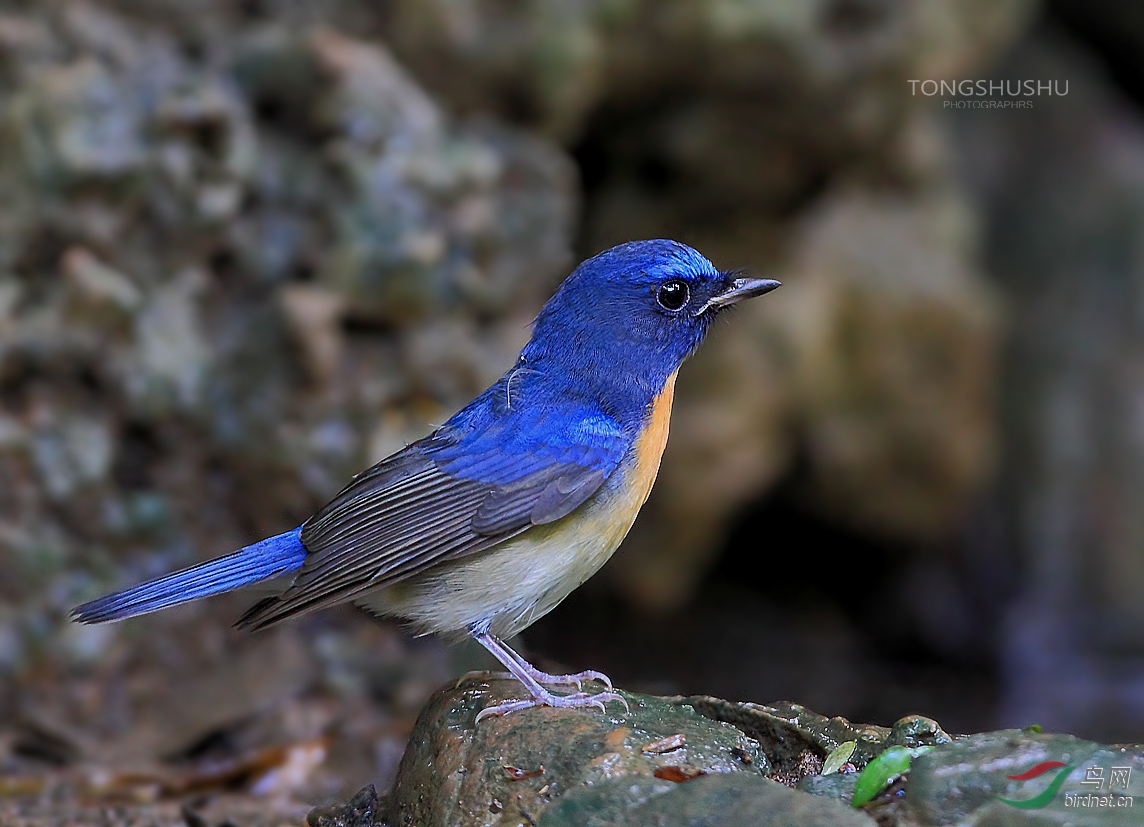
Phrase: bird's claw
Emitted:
{"points": [[613, 696], [592, 675], [503, 709]]}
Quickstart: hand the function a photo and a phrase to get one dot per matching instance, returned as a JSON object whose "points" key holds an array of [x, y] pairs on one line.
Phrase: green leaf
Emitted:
{"points": [[882, 770]]}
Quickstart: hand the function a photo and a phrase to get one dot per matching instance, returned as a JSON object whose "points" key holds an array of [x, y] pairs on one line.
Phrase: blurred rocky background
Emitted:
{"points": [[248, 248]]}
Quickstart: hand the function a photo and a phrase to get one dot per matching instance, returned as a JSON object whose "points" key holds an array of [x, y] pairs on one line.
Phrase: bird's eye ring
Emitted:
{"points": [[673, 294]]}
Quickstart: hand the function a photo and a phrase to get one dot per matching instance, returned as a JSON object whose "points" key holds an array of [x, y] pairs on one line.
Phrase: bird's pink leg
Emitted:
{"points": [[532, 678]]}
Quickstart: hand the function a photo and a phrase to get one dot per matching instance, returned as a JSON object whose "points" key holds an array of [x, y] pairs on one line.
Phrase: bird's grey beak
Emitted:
{"points": [[740, 289]]}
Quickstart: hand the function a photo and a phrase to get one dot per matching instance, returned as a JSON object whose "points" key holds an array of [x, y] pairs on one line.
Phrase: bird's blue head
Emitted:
{"points": [[626, 319]]}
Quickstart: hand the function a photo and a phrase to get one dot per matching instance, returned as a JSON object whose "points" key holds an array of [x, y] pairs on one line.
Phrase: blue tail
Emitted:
{"points": [[260, 561]]}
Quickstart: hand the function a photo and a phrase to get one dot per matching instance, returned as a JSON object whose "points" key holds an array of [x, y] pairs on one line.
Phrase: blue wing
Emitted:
{"points": [[488, 474]]}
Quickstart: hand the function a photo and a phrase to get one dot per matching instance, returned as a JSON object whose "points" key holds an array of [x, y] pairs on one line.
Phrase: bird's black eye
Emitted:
{"points": [[672, 294]]}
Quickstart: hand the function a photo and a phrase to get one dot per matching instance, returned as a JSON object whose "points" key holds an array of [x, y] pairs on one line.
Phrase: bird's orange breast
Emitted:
{"points": [[648, 448]]}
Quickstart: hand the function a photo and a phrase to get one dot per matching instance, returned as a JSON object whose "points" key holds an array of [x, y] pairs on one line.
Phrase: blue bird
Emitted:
{"points": [[485, 525]]}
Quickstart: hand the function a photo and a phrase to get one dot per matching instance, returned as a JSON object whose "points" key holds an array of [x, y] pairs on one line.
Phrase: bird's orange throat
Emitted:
{"points": [[652, 440]]}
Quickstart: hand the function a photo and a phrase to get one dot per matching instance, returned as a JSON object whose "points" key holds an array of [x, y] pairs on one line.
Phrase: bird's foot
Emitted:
{"points": [[546, 698], [532, 678]]}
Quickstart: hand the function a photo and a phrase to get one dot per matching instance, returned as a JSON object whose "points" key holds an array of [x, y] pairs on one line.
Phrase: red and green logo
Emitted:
{"points": [[1046, 795]]}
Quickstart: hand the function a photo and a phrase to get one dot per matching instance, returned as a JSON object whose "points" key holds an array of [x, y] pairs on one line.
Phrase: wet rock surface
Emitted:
{"points": [[558, 767], [455, 770], [698, 760]]}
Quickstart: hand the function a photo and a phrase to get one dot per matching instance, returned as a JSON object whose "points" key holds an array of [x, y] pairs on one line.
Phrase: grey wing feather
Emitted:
{"points": [[406, 515], [539, 498]]}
